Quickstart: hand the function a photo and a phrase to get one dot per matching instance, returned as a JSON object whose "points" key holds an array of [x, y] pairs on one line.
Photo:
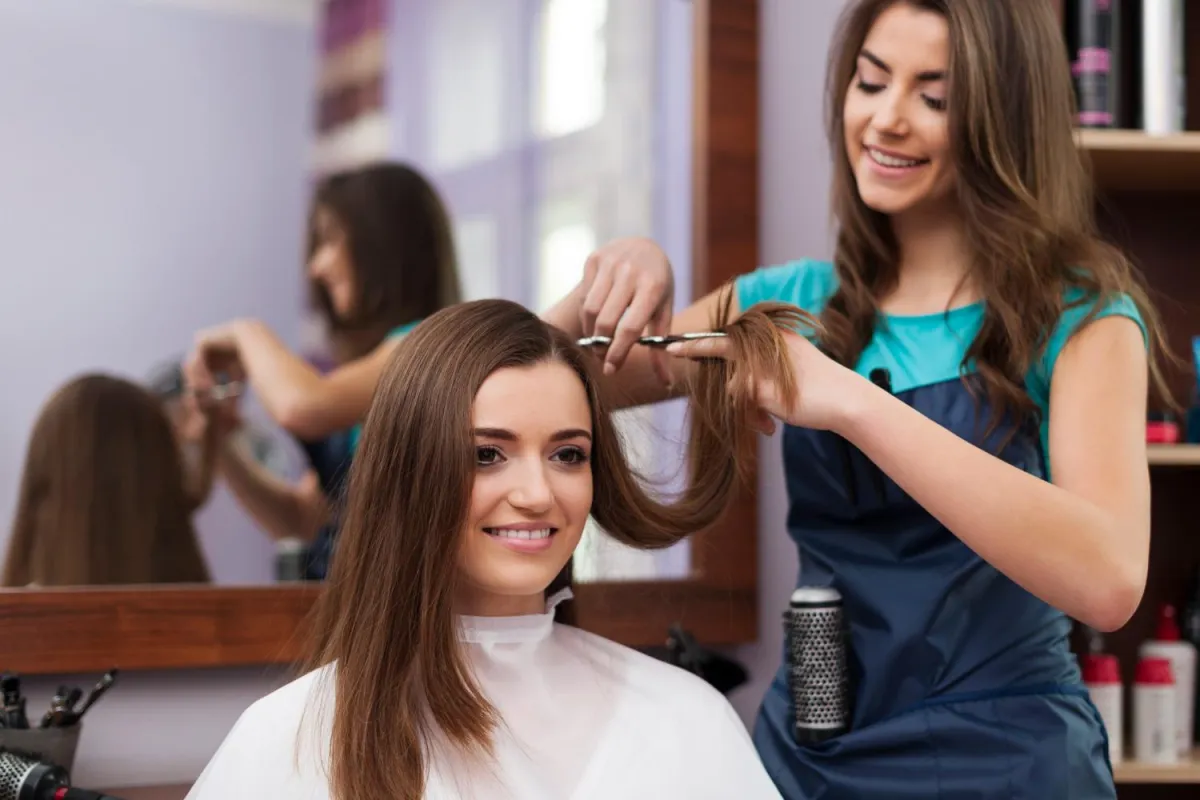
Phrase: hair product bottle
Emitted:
{"points": [[1163, 82], [1167, 643], [1093, 43]]}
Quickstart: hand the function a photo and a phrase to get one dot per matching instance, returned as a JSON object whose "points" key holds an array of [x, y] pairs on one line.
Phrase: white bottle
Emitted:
{"points": [[1164, 89], [1168, 644], [1154, 729], [1102, 677]]}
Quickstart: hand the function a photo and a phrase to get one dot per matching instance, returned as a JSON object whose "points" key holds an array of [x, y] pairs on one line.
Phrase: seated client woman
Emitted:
{"points": [[439, 670]]}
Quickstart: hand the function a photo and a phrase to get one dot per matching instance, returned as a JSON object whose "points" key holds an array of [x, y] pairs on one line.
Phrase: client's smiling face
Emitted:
{"points": [[533, 487]]}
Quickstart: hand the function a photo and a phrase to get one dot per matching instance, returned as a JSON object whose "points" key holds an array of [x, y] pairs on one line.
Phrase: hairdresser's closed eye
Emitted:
{"points": [[867, 87]]}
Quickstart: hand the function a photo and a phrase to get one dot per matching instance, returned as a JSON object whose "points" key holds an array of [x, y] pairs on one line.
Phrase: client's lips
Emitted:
{"points": [[523, 537]]}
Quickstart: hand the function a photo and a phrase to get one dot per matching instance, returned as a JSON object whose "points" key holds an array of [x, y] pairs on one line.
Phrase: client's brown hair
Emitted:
{"points": [[386, 615], [104, 497]]}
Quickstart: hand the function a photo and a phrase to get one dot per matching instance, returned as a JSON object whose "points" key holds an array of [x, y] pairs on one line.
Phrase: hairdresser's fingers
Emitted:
{"points": [[595, 286], [610, 296], [620, 320], [648, 311], [196, 374], [660, 325], [700, 348]]}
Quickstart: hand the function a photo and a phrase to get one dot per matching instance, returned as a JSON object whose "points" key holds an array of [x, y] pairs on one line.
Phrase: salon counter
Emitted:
{"points": [[177, 792], [152, 735]]}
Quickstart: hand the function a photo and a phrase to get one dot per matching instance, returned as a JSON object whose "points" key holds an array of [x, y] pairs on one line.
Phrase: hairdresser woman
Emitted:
{"points": [[962, 537], [380, 259]]}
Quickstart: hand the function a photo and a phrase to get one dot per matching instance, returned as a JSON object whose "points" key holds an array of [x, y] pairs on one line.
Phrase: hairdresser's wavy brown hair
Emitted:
{"points": [[104, 495], [1023, 186], [386, 616], [401, 248]]}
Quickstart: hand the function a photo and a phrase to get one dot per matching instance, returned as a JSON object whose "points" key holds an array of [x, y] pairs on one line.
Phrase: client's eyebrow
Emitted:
{"points": [[509, 436]]}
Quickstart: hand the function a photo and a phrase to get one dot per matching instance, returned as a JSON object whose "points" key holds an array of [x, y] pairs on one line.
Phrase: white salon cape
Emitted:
{"points": [[583, 719]]}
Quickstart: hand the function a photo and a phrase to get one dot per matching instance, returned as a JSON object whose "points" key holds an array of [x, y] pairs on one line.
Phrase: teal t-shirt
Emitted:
{"points": [[921, 350], [395, 333]]}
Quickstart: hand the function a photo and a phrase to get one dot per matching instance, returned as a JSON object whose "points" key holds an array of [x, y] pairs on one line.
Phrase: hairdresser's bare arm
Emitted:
{"points": [[201, 481], [626, 291], [299, 398], [281, 509]]}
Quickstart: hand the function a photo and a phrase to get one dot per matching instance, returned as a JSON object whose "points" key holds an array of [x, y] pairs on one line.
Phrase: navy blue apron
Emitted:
{"points": [[963, 685], [330, 459]]}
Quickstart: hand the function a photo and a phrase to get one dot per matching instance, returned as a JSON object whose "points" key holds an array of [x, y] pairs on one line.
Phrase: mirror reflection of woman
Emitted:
{"points": [[380, 258], [439, 671], [106, 496]]}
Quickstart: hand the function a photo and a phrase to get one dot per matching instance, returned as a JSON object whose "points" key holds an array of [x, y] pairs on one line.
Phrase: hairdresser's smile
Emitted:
{"points": [[893, 164]]}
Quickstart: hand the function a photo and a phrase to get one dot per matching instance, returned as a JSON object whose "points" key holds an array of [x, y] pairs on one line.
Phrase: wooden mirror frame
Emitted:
{"points": [[93, 629]]}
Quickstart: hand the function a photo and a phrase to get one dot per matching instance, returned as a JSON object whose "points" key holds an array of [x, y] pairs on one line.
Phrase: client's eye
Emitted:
{"points": [[572, 455], [487, 455]]}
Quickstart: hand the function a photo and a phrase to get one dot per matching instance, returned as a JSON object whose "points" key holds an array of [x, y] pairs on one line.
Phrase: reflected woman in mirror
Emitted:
{"points": [[105, 496], [380, 258], [440, 667]]}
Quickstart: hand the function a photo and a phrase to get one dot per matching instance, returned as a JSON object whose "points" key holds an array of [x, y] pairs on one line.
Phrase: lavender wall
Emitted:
{"points": [[154, 183]]}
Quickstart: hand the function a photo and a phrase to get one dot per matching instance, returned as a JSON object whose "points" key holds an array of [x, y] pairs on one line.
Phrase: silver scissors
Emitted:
{"points": [[652, 341], [220, 391]]}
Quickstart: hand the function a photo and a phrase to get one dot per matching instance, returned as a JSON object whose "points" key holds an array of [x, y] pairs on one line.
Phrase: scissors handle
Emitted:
{"points": [[653, 341]]}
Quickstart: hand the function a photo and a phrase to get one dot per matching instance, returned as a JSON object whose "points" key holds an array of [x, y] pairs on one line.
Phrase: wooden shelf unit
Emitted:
{"points": [[1185, 772], [1134, 161], [1148, 201], [1174, 455]]}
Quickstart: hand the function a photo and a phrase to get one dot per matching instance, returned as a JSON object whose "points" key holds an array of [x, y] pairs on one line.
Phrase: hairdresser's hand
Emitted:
{"points": [[627, 292], [215, 352], [823, 386], [198, 415]]}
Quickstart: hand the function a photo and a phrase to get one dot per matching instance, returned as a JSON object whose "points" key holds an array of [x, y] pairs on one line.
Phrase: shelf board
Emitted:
{"points": [[1131, 160], [1173, 455], [1186, 771]]}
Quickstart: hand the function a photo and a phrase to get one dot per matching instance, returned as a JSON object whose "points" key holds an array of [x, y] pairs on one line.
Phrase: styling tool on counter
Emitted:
{"points": [[102, 686], [26, 778], [12, 712], [817, 665], [722, 673]]}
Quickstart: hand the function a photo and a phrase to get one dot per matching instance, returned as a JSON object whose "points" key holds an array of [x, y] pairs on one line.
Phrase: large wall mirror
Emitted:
{"points": [[163, 158]]}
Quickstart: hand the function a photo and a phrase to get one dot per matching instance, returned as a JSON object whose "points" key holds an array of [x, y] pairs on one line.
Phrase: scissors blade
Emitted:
{"points": [[653, 341], [221, 391], [663, 341]]}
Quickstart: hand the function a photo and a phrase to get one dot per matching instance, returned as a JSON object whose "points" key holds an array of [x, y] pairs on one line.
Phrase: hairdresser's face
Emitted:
{"points": [[330, 264], [895, 120], [533, 487]]}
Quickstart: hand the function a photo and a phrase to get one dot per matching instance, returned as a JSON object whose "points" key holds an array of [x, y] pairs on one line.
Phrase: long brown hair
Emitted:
{"points": [[386, 616], [1024, 188], [401, 249], [104, 497]]}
